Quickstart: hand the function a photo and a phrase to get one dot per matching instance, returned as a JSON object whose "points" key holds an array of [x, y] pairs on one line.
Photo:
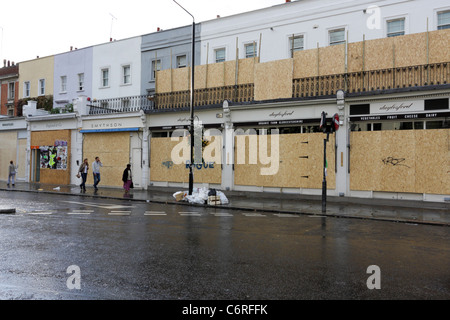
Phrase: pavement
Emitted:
{"points": [[405, 211]]}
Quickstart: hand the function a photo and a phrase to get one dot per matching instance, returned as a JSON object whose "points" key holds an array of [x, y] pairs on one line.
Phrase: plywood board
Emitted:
{"points": [[164, 81], [48, 138], [379, 54], [273, 80], [8, 152], [181, 79], [305, 63], [332, 60], [410, 50], [298, 161], [113, 149], [412, 161], [168, 162], [355, 57], [439, 44], [246, 70]]}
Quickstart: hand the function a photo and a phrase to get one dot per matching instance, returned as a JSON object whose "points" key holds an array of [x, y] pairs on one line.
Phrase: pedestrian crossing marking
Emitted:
{"points": [[155, 213], [100, 205], [119, 213], [189, 214], [286, 215], [254, 215], [225, 214], [41, 213]]}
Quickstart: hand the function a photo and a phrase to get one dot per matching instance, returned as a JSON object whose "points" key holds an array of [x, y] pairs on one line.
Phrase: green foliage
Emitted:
{"points": [[43, 102]]}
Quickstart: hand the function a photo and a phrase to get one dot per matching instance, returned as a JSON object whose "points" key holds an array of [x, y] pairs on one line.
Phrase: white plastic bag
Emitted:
{"points": [[223, 198]]}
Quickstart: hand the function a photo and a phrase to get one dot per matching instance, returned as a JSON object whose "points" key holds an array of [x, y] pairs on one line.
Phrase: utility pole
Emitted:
{"points": [[191, 129]]}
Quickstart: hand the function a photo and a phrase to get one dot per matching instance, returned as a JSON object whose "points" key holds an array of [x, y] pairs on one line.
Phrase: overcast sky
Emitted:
{"points": [[30, 28]]}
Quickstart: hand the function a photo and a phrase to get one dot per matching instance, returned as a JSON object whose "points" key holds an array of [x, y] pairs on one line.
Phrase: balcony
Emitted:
{"points": [[372, 81], [121, 105], [419, 76], [204, 97]]}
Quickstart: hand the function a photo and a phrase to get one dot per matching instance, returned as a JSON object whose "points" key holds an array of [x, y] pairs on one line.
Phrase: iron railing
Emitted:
{"points": [[120, 105]]}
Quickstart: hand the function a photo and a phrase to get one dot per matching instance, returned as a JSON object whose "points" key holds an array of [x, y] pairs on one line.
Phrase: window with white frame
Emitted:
{"points": [[395, 27], [336, 36], [296, 43], [63, 84], [41, 87], [181, 61], [219, 55], [105, 77], [443, 20], [126, 74], [250, 50], [11, 90], [156, 66], [80, 82], [26, 89]]}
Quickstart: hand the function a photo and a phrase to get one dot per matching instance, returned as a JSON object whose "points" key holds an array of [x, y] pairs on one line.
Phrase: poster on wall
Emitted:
{"points": [[54, 157]]}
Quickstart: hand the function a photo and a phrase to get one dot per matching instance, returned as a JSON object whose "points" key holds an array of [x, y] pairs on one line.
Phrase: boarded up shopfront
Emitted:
{"points": [[296, 163], [50, 156], [166, 166], [113, 149], [13, 146], [410, 161], [117, 141]]}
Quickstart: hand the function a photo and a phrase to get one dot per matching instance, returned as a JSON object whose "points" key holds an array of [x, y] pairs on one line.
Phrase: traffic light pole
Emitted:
{"points": [[324, 181]]}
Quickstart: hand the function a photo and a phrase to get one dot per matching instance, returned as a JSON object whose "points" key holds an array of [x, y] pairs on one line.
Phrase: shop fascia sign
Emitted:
{"points": [[117, 123], [393, 107], [12, 124], [53, 125]]}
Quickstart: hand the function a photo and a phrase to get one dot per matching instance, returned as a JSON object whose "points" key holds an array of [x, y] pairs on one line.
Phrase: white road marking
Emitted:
{"points": [[254, 215], [155, 213], [190, 214], [41, 213], [225, 214], [119, 213], [286, 215], [99, 205], [81, 212]]}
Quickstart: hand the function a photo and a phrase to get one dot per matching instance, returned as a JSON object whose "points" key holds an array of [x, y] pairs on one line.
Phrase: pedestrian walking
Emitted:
{"points": [[83, 171], [96, 171], [127, 178], [12, 173]]}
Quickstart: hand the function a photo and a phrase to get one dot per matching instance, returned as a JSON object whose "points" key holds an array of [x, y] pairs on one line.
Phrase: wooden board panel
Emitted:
{"points": [[273, 80], [48, 138], [411, 161], [379, 54], [355, 57], [439, 42], [8, 152], [113, 149], [168, 167], [332, 59], [300, 162], [305, 63]]}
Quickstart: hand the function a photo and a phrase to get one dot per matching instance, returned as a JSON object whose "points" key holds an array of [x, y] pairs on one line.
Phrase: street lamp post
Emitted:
{"points": [[191, 129]]}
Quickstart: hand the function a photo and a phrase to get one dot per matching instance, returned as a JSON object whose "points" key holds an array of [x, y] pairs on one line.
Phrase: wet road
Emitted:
{"points": [[138, 250]]}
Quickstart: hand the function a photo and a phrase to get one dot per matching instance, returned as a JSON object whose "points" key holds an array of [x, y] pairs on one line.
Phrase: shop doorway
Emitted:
{"points": [[35, 165]]}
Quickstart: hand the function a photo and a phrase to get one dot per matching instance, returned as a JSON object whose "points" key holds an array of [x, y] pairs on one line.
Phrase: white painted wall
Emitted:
{"points": [[313, 19], [114, 55]]}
